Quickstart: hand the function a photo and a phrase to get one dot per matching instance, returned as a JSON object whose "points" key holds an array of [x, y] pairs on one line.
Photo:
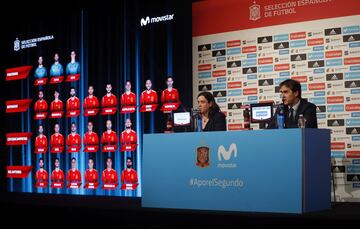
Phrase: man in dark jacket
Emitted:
{"points": [[294, 106]]}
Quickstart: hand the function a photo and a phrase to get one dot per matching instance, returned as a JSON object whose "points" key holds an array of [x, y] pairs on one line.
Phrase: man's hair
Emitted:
{"points": [[56, 158], [129, 158], [41, 90], [72, 88], [294, 86], [41, 159], [108, 158], [73, 123], [73, 158]]}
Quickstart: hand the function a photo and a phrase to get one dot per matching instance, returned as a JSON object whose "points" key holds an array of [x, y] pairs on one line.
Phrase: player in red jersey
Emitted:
{"points": [[91, 139], [73, 176], [57, 175], [91, 101], [170, 94], [57, 139], [56, 105], [73, 140], [148, 96], [109, 100], [128, 136], [41, 143], [91, 174], [109, 137], [109, 175], [129, 177], [40, 105], [73, 103], [41, 175], [128, 98]]}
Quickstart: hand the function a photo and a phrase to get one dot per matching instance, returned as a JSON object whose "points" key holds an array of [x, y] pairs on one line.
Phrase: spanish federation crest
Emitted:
{"points": [[254, 12], [202, 156], [16, 44]]}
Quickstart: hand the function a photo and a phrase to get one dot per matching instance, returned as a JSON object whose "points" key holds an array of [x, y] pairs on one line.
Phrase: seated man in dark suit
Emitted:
{"points": [[294, 105]]}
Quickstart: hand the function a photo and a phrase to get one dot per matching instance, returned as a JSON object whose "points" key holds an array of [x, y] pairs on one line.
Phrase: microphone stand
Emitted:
{"points": [[195, 114], [333, 180]]}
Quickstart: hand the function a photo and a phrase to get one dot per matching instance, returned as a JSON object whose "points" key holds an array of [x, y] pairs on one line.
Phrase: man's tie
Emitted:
{"points": [[291, 114]]}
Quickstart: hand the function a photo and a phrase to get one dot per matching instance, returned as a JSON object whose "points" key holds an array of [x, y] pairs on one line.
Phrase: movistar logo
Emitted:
{"points": [[226, 155], [147, 20]]}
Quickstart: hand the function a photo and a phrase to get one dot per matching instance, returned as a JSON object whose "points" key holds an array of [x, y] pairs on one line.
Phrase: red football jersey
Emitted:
{"points": [[41, 175], [40, 106], [109, 101], [57, 140], [170, 96], [91, 102], [109, 138], [57, 176], [128, 99], [128, 137], [148, 97], [73, 176], [73, 104], [129, 176], [91, 176], [41, 141], [56, 106], [73, 140], [91, 138], [109, 176]]}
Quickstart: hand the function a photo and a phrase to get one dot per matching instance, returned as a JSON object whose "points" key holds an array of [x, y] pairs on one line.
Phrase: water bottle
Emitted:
{"points": [[199, 123], [246, 114], [280, 118], [301, 121]]}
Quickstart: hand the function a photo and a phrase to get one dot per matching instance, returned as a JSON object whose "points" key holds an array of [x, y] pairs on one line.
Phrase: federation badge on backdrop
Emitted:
{"points": [[202, 156]]}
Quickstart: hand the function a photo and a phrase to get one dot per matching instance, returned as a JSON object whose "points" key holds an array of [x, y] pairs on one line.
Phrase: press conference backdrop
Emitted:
{"points": [[243, 53]]}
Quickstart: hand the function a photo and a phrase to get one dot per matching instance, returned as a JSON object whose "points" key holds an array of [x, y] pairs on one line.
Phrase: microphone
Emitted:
{"points": [[282, 98], [195, 111], [282, 105]]}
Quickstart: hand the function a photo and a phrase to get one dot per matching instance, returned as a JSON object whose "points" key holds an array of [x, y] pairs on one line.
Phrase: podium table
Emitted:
{"points": [[285, 171]]}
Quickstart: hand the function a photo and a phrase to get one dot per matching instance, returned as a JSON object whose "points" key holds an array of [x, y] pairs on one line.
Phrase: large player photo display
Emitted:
{"points": [[68, 131]]}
